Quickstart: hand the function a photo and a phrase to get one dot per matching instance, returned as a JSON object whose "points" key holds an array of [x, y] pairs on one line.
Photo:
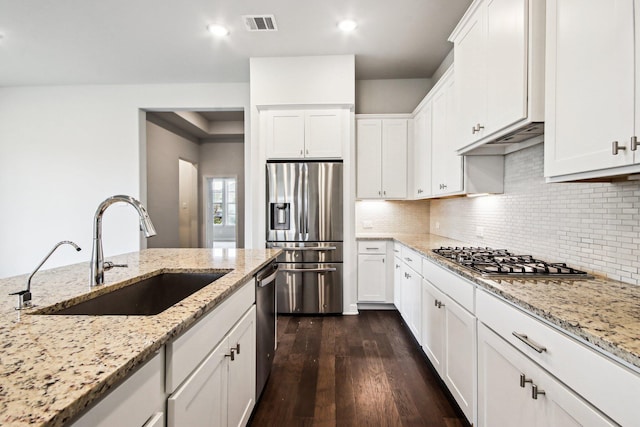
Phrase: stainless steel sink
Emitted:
{"points": [[144, 298]]}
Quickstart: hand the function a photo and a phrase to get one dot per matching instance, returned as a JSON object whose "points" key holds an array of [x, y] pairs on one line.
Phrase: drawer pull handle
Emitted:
{"points": [[537, 347], [408, 259], [397, 265], [232, 355], [524, 380], [372, 249], [535, 392]]}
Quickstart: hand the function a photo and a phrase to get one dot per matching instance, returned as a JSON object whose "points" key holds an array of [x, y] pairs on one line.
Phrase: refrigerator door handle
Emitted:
{"points": [[312, 248], [306, 201], [308, 270]]}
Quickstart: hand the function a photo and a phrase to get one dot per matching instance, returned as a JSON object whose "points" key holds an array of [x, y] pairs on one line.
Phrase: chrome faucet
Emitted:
{"points": [[24, 297], [97, 257]]}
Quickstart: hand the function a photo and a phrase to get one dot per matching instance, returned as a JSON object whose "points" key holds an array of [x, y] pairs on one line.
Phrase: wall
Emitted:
{"points": [[64, 149], [390, 95], [393, 216], [220, 159], [164, 148], [593, 226], [317, 81]]}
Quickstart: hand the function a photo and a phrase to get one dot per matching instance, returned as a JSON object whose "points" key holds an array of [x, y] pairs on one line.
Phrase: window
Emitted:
{"points": [[223, 199]]}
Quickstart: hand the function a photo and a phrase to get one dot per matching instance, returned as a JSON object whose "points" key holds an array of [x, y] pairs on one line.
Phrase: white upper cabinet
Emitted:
{"points": [[499, 63], [381, 154], [422, 134], [447, 166], [592, 100], [297, 134]]}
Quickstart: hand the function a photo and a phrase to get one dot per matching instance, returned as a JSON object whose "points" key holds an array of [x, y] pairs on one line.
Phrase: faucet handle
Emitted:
{"points": [[108, 265]]}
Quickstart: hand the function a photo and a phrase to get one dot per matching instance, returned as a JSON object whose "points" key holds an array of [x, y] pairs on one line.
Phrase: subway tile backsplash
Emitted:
{"points": [[593, 226]]}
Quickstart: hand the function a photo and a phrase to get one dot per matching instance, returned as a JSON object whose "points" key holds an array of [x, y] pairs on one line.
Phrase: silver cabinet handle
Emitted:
{"points": [[301, 153], [473, 130], [634, 143], [440, 304], [524, 380], [396, 251], [379, 193], [408, 259], [384, 192], [307, 151], [397, 266], [535, 392], [238, 348], [232, 354], [308, 270], [615, 147], [372, 249], [537, 347]]}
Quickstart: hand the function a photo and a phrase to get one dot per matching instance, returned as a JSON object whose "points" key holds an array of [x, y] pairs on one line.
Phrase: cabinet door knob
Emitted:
{"points": [[524, 380], [634, 143], [379, 193], [232, 354], [535, 392], [384, 192], [615, 147]]}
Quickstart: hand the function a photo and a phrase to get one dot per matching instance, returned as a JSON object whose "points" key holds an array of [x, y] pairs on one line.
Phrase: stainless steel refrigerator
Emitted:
{"points": [[304, 217]]}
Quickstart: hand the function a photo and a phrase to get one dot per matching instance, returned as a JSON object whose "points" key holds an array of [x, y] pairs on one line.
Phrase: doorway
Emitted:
{"points": [[183, 150], [221, 212], [188, 204]]}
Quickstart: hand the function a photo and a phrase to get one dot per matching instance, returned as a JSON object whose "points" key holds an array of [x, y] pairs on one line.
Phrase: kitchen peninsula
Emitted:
{"points": [[492, 334], [53, 367]]}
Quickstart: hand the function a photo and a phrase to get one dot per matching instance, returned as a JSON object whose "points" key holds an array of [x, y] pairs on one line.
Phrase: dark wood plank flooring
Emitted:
{"points": [[363, 370]]}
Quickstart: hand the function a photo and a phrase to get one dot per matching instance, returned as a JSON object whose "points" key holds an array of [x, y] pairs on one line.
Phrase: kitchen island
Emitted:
{"points": [[55, 366]]}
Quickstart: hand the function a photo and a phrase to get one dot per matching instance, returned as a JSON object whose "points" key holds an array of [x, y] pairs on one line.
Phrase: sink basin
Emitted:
{"points": [[144, 298]]}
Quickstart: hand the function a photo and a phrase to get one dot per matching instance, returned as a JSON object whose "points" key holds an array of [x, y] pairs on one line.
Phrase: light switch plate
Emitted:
{"points": [[367, 224]]}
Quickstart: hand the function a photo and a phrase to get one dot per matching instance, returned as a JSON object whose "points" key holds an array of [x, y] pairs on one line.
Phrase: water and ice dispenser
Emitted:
{"points": [[280, 214]]}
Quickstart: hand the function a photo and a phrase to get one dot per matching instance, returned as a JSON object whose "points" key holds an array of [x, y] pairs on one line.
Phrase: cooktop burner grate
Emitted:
{"points": [[500, 262]]}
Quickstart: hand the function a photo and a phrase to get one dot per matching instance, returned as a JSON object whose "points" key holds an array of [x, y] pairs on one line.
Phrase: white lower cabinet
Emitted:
{"points": [[412, 300], [373, 272], [221, 391], [512, 390], [448, 340], [138, 401]]}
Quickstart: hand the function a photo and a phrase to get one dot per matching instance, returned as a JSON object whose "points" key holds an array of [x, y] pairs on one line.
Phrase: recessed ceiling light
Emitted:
{"points": [[347, 25], [217, 30]]}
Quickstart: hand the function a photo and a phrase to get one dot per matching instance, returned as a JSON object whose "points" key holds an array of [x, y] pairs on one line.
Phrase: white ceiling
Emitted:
{"points": [[166, 41]]}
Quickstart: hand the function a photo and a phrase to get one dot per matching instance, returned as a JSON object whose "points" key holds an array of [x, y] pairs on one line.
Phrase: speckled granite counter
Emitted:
{"points": [[603, 312], [52, 367]]}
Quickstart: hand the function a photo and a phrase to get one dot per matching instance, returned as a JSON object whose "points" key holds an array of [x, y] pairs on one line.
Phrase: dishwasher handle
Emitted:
{"points": [[267, 275]]}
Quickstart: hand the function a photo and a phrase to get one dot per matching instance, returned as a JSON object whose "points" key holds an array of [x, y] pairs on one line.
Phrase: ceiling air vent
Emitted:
{"points": [[260, 22]]}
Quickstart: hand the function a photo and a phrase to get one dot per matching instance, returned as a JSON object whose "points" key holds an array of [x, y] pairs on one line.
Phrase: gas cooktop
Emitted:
{"points": [[502, 263]]}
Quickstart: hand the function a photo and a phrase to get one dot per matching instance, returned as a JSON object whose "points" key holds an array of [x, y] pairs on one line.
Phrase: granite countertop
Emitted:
{"points": [[52, 367], [603, 312]]}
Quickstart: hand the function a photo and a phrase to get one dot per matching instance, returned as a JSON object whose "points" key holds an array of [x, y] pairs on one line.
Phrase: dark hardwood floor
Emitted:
{"points": [[363, 370]]}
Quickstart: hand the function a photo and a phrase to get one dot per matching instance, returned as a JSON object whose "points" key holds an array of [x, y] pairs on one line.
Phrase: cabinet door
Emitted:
{"points": [[202, 399], [285, 134], [394, 158], [470, 67], [433, 325], [589, 85], [506, 59], [411, 301], [422, 153], [503, 400], [242, 370], [371, 278], [323, 134], [447, 165], [369, 159], [397, 283], [460, 355]]}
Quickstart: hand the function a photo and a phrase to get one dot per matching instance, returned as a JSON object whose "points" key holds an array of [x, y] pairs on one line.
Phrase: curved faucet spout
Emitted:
{"points": [[97, 257]]}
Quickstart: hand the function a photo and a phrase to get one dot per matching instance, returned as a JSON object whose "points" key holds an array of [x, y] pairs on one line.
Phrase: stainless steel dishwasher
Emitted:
{"points": [[265, 324]]}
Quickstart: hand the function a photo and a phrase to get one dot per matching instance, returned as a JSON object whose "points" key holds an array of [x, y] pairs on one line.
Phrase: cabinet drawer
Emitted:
{"points": [[460, 290], [186, 352], [372, 247], [397, 249], [412, 258], [609, 386]]}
